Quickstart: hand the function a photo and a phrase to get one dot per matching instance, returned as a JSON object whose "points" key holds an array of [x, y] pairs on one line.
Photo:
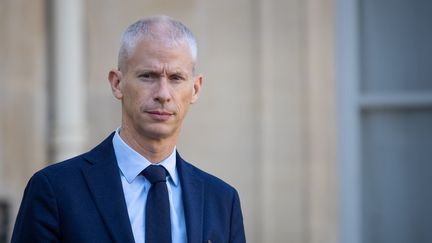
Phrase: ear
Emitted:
{"points": [[115, 79], [196, 88]]}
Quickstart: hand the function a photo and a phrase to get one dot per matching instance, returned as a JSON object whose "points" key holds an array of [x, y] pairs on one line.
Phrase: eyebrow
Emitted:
{"points": [[147, 70], [156, 71], [178, 73]]}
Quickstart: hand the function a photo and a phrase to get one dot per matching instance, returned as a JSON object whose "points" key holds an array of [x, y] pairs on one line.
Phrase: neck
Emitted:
{"points": [[154, 150]]}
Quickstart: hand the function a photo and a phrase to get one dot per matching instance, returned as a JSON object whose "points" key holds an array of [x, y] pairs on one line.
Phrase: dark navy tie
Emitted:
{"points": [[157, 221]]}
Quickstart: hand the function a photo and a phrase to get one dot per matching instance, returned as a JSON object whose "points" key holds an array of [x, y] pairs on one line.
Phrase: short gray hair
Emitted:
{"points": [[164, 29]]}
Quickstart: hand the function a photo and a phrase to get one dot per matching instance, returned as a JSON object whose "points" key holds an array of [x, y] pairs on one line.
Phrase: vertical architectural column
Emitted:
{"points": [[69, 99], [283, 145]]}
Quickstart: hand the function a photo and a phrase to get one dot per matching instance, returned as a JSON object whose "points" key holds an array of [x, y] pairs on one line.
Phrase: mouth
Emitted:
{"points": [[160, 115]]}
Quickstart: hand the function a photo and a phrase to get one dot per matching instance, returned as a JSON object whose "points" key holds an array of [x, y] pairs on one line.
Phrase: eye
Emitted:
{"points": [[147, 76], [177, 77]]}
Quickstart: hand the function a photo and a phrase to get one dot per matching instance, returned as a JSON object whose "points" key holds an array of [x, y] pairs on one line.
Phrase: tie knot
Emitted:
{"points": [[155, 173]]}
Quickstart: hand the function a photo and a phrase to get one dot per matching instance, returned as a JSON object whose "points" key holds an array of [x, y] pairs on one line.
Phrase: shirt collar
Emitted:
{"points": [[131, 163]]}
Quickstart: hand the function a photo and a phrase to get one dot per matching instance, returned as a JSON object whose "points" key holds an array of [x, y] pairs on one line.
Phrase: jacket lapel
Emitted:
{"points": [[104, 182], [193, 200]]}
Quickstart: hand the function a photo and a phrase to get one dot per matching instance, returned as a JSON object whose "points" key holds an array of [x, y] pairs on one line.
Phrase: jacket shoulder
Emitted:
{"points": [[70, 167], [210, 181]]}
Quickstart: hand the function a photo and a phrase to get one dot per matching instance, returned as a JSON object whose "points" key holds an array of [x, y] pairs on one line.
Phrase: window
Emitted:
{"points": [[385, 87]]}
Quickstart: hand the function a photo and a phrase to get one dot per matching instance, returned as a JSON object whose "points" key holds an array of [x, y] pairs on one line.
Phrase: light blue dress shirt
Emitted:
{"points": [[136, 187]]}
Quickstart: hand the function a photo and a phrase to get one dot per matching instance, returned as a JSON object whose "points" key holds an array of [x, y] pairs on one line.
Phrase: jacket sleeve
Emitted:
{"points": [[38, 218], [237, 233]]}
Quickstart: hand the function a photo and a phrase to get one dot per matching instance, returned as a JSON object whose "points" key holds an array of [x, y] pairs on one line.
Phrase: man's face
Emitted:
{"points": [[156, 89]]}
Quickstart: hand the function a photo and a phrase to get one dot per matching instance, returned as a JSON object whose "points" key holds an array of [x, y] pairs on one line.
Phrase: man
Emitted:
{"points": [[134, 186]]}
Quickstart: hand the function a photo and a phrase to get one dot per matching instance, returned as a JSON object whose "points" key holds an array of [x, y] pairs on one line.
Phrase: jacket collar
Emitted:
{"points": [[193, 199], [104, 182]]}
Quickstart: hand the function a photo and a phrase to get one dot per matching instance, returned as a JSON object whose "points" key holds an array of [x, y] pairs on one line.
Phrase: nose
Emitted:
{"points": [[162, 92]]}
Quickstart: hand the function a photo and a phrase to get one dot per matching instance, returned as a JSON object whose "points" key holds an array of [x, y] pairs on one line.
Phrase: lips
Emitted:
{"points": [[160, 115]]}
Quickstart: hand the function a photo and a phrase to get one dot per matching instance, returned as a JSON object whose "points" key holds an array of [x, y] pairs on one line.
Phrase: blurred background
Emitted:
{"points": [[318, 111]]}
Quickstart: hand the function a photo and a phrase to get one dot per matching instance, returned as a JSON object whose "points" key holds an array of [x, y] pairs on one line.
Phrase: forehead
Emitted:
{"points": [[154, 54]]}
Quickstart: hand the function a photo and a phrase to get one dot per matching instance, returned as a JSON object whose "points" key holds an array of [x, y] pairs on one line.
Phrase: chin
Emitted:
{"points": [[158, 132]]}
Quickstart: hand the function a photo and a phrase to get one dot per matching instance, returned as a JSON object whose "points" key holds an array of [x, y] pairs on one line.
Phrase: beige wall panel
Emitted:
{"points": [[322, 172], [23, 96], [283, 121], [23, 93]]}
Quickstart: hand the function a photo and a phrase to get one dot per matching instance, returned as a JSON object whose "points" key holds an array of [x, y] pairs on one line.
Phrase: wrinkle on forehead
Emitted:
{"points": [[160, 50], [153, 56]]}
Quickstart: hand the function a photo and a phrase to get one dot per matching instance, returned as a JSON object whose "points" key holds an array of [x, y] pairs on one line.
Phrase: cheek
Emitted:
{"points": [[135, 98], [184, 103], [184, 98]]}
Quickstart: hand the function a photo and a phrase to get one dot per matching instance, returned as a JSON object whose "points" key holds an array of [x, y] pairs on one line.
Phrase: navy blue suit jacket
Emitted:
{"points": [[82, 200]]}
